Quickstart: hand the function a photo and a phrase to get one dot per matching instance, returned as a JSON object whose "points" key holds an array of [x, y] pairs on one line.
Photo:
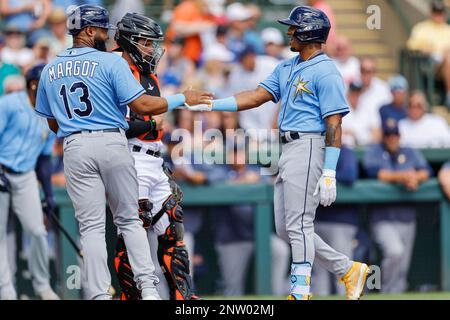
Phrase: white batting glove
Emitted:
{"points": [[199, 107], [327, 187]]}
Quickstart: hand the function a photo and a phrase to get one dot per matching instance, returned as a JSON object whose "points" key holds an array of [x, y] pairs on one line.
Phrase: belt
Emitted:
{"points": [[8, 170], [91, 131], [291, 135], [155, 154]]}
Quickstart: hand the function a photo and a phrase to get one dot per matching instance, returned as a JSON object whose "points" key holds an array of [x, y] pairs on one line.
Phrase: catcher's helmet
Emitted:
{"points": [[312, 24], [133, 27], [34, 73], [87, 15]]}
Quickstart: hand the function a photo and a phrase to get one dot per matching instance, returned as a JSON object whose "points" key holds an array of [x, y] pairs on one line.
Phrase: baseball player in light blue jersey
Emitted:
{"points": [[312, 103], [23, 138], [84, 93]]}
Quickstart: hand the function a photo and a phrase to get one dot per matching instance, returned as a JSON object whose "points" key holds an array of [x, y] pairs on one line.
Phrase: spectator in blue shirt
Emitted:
{"points": [[397, 109], [393, 226], [337, 225], [444, 179]]}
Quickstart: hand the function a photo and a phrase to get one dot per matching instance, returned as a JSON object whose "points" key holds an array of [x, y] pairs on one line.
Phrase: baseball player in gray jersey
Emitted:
{"points": [[312, 103], [84, 93]]}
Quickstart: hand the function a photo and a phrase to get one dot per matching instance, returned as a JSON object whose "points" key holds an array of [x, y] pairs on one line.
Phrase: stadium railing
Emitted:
{"points": [[261, 195]]}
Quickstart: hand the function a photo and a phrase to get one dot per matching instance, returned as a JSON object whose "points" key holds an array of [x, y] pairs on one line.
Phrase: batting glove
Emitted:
{"points": [[327, 187], [199, 107]]}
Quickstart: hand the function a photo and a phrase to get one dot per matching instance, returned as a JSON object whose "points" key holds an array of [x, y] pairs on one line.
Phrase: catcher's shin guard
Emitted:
{"points": [[172, 254], [124, 273]]}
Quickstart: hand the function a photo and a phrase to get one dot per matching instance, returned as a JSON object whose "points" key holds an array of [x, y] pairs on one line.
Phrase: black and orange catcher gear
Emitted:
{"points": [[172, 255]]}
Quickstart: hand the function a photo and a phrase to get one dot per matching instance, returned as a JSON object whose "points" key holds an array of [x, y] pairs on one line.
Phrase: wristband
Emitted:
{"points": [[331, 158], [152, 124], [175, 100], [227, 104]]}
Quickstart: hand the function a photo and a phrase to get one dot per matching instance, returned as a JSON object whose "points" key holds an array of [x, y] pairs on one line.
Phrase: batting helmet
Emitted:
{"points": [[87, 15], [312, 24], [130, 29], [34, 73]]}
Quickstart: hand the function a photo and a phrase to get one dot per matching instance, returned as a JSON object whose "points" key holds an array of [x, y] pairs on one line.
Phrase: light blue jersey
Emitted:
{"points": [[86, 89], [309, 91], [23, 135]]}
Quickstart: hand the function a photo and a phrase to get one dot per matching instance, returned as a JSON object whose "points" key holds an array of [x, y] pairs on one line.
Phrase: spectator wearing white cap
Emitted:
{"points": [[422, 129], [347, 64], [240, 34], [273, 42]]}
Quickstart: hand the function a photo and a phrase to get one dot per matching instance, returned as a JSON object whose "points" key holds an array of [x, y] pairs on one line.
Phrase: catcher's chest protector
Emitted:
{"points": [[150, 83]]}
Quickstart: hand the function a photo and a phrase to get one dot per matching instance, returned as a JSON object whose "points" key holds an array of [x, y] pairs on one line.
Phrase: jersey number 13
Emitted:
{"points": [[83, 99]]}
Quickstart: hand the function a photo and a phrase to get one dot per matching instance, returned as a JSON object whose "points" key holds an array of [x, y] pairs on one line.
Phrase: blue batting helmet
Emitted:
{"points": [[34, 73], [87, 15], [312, 24]]}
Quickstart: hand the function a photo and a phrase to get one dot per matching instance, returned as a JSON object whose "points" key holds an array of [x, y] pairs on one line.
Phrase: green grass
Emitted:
{"points": [[405, 296]]}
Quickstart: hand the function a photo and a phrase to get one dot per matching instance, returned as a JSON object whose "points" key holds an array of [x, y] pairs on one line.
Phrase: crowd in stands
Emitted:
{"points": [[218, 46]]}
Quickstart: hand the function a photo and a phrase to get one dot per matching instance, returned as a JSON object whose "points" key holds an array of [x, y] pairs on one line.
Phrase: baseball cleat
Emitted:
{"points": [[355, 280], [48, 294], [150, 294], [300, 297]]}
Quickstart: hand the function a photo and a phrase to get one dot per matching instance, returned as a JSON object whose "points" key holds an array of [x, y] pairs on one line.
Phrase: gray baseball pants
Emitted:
{"points": [[300, 168], [99, 168], [26, 204], [340, 236], [396, 241]]}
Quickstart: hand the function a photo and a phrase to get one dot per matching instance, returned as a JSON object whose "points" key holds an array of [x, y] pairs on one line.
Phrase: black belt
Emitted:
{"points": [[155, 154], [104, 130], [295, 136], [8, 170]]}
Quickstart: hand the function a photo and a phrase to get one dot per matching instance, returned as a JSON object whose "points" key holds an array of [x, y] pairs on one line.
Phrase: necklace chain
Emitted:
{"points": [[313, 54]]}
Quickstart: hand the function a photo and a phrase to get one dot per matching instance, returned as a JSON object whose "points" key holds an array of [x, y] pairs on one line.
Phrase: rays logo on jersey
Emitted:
{"points": [[301, 87]]}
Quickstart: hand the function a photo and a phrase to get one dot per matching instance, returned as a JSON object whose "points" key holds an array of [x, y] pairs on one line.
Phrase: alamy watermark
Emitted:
{"points": [[373, 22]]}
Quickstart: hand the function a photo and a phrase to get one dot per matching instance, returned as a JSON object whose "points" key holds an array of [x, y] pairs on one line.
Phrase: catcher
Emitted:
{"points": [[140, 39]]}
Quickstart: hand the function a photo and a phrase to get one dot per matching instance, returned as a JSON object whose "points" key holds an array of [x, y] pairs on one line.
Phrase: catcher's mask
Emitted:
{"points": [[142, 38]]}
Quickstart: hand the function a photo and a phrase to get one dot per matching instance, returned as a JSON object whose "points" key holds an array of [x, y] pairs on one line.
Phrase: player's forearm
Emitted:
{"points": [[334, 131], [149, 105], [333, 142], [242, 101]]}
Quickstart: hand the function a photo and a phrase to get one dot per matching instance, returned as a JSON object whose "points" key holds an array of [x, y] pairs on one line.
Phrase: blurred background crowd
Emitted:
{"points": [[226, 47]]}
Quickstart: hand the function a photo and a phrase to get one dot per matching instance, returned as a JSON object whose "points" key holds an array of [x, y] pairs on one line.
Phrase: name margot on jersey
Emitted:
{"points": [[72, 68]]}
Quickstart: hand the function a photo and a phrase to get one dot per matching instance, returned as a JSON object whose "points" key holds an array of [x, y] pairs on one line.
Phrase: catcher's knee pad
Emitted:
{"points": [[124, 273], [145, 212]]}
